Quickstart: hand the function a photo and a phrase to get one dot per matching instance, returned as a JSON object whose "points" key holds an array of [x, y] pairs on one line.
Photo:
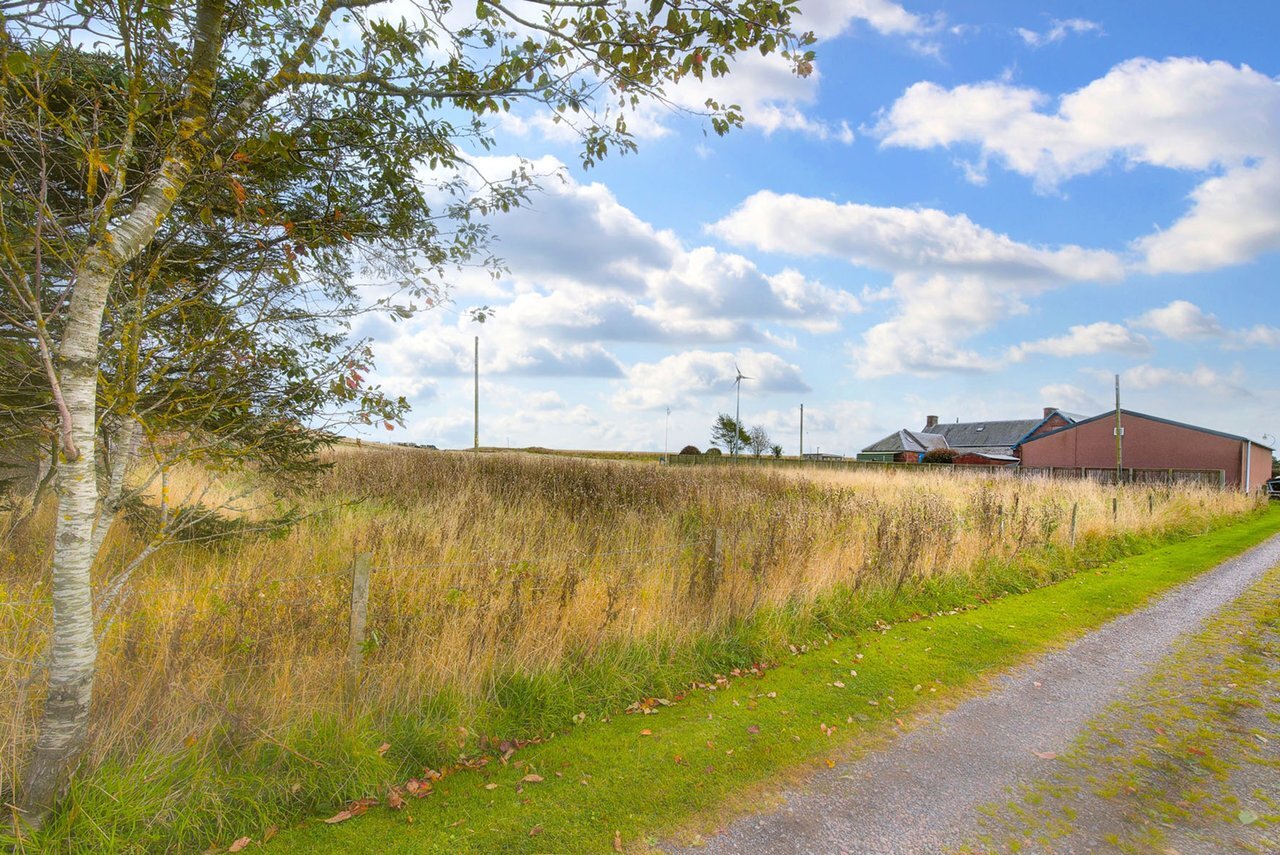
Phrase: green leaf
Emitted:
{"points": [[17, 63], [1247, 817]]}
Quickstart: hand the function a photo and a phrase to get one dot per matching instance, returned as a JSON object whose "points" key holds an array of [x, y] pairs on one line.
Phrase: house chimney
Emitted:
{"points": [[1048, 411], [930, 422]]}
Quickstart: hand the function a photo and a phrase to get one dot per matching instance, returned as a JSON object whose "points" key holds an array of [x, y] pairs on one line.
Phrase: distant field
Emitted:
{"points": [[509, 593]]}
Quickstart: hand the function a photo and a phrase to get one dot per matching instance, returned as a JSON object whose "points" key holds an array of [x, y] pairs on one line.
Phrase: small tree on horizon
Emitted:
{"points": [[776, 451], [758, 440], [727, 433]]}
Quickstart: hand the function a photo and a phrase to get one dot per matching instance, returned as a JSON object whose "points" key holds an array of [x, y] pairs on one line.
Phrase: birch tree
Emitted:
{"points": [[201, 95]]}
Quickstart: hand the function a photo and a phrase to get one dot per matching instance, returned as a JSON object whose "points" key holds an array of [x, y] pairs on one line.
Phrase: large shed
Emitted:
{"points": [[1150, 442]]}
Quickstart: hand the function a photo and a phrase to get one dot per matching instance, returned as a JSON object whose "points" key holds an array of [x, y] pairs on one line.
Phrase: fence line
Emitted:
{"points": [[346, 571], [504, 562], [1106, 475]]}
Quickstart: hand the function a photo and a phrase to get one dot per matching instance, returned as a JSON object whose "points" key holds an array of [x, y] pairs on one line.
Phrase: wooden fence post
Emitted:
{"points": [[1115, 508], [1151, 504], [359, 614], [1075, 507], [1000, 518]]}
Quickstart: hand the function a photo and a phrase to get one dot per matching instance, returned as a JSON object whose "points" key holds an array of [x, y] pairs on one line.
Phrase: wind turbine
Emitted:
{"points": [[737, 410]]}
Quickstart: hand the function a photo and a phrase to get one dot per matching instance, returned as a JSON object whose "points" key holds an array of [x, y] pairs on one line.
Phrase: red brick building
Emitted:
{"points": [[1149, 442]]}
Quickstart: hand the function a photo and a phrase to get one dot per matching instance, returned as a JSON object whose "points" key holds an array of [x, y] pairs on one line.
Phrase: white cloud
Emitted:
{"points": [[1182, 113], [832, 18], [1184, 321], [1073, 399], [1260, 335], [1083, 340], [953, 279], [1150, 377], [903, 239], [692, 377], [1180, 320], [1058, 30]]}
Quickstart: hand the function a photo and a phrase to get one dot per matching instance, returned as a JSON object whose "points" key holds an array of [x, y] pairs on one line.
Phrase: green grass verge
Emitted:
{"points": [[232, 783], [646, 775]]}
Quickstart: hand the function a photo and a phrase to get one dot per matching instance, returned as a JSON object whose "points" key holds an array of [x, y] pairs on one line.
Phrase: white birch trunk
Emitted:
{"points": [[65, 719], [122, 451]]}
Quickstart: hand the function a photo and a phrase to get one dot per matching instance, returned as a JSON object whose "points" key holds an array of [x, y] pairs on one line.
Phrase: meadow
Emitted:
{"points": [[509, 594]]}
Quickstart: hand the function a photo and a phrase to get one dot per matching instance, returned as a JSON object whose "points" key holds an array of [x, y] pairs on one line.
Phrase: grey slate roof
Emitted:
{"points": [[905, 440], [995, 437]]}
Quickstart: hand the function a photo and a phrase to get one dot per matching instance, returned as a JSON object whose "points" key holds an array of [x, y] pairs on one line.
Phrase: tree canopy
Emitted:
{"points": [[194, 194]]}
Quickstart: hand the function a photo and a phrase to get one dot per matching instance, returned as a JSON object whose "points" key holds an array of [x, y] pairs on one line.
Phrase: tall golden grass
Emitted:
{"points": [[492, 565]]}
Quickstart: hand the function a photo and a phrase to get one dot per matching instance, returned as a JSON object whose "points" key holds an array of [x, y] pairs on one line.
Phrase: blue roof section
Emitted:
{"points": [[1071, 417]]}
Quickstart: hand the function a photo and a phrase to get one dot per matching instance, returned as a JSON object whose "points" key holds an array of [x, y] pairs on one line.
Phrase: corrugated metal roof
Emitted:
{"points": [[1111, 414]]}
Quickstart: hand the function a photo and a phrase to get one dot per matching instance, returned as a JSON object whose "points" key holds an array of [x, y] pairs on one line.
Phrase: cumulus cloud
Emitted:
{"points": [[900, 239], [1084, 340], [831, 19], [1182, 320], [952, 277], [1057, 31], [1071, 398], [1151, 377], [690, 378], [1185, 114]]}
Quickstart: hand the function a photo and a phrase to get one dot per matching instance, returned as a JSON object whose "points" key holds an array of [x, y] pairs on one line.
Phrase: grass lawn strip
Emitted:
{"points": [[639, 776], [1188, 763]]}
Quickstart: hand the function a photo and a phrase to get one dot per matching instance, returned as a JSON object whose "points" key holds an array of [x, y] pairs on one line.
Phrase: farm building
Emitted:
{"points": [[975, 443], [902, 446], [1149, 442]]}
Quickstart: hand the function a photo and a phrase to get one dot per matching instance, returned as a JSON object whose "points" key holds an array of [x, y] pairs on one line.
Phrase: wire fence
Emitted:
{"points": [[355, 576]]}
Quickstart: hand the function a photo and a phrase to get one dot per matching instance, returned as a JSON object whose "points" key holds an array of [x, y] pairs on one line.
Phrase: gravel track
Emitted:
{"points": [[920, 794]]}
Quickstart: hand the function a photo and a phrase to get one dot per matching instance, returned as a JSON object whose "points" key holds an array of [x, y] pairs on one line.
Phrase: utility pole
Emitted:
{"points": [[476, 440], [802, 431], [1119, 437], [666, 438]]}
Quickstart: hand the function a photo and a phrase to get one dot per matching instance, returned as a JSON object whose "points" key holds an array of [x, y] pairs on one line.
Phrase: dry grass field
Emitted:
{"points": [[509, 591]]}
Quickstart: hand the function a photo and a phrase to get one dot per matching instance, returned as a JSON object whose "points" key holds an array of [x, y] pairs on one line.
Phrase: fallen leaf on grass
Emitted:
{"points": [[417, 789], [1247, 817], [491, 786], [535, 831], [531, 779], [617, 841], [831, 764], [395, 800], [1045, 755], [753, 728], [356, 808], [383, 748], [239, 844], [270, 833], [646, 732], [838, 684], [1199, 752]]}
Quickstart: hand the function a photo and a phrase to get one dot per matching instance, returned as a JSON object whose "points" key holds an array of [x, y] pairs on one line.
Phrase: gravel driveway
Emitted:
{"points": [[920, 794]]}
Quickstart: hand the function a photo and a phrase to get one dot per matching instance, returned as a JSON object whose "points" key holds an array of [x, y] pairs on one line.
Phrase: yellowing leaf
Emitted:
{"points": [[531, 779], [239, 844]]}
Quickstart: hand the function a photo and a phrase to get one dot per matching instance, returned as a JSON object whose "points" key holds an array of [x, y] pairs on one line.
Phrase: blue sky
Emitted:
{"points": [[972, 209]]}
